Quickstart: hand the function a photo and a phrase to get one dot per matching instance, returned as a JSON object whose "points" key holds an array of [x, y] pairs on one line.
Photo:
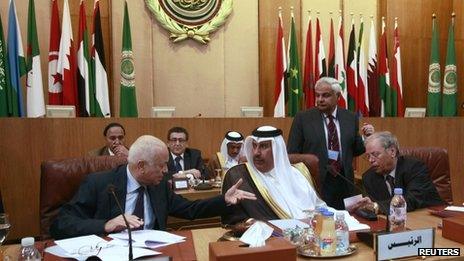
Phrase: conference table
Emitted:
{"points": [[202, 237]]}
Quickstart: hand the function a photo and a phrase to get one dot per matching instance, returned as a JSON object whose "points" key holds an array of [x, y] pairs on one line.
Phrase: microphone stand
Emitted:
{"points": [[111, 189]]}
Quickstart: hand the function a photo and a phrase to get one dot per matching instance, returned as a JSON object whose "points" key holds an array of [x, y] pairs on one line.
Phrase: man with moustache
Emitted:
{"points": [[144, 193], [114, 134], [331, 133], [283, 191]]}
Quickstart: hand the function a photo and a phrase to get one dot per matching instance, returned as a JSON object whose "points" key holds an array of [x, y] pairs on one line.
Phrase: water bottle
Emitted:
{"points": [[28, 251], [328, 238], [343, 234], [398, 208]]}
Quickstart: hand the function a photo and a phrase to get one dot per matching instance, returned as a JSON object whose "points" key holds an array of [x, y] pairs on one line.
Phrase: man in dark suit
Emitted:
{"points": [[183, 160], [144, 194], [331, 133], [114, 134], [390, 170]]}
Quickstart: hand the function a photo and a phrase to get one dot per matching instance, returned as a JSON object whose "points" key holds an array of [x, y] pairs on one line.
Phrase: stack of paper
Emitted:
{"points": [[147, 238]]}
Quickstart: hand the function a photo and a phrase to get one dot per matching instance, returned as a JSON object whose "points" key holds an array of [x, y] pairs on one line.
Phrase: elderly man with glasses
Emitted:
{"points": [[391, 170]]}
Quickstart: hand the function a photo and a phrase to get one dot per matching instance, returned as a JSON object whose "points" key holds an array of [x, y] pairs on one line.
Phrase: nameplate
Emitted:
{"points": [[403, 244], [180, 183]]}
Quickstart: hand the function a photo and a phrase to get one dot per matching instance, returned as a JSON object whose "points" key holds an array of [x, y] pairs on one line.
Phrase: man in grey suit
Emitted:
{"points": [[331, 133]]}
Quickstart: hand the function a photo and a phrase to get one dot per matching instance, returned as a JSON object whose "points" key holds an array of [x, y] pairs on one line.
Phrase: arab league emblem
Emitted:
{"points": [[194, 19]]}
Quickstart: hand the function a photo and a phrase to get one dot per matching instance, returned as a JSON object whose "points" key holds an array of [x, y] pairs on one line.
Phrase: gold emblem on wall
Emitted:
{"points": [[194, 19]]}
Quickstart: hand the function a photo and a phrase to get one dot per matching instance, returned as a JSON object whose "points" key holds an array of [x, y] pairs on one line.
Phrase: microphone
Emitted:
{"points": [[111, 189]]}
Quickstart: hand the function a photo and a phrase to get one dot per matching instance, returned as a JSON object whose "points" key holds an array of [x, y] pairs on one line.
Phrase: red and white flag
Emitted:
{"points": [[396, 78], [55, 95], [320, 68], [280, 69], [373, 73], [67, 61], [363, 95]]}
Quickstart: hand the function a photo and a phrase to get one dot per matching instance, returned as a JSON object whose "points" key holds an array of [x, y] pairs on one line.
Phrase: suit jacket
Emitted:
{"points": [[93, 206], [192, 160], [307, 135], [412, 176], [99, 152]]}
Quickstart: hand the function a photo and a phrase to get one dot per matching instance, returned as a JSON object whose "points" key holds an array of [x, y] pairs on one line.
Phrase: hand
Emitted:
{"points": [[120, 150], [117, 224], [179, 175], [365, 202], [367, 129], [196, 173], [242, 159], [234, 195]]}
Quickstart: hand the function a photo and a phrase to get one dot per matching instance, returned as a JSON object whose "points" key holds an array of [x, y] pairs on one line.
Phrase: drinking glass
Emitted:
{"points": [[4, 227]]}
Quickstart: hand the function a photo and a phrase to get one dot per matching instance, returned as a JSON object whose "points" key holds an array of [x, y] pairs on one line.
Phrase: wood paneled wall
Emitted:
{"points": [[24, 144]]}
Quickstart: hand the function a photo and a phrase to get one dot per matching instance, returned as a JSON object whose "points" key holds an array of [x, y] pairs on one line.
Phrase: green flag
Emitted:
{"points": [[295, 92], [128, 97], [450, 87], [433, 95], [4, 80]]}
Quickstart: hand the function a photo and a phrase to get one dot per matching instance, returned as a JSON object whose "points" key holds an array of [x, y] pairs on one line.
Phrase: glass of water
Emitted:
{"points": [[4, 227]]}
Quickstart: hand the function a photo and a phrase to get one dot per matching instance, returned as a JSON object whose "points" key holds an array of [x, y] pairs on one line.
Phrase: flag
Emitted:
{"points": [[340, 71], [396, 78], [351, 71], [280, 68], [4, 75], [331, 64], [384, 75], [102, 108], [373, 74], [363, 95], [128, 97], [450, 87], [434, 88], [308, 77], [85, 88], [67, 61], [55, 91], [35, 97], [320, 69], [294, 79], [16, 64]]}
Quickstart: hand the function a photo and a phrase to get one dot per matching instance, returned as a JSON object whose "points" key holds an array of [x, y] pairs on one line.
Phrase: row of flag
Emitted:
{"points": [[77, 78], [371, 89]]}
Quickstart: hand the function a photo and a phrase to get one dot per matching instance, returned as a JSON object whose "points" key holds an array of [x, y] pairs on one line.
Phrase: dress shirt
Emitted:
{"points": [[131, 199]]}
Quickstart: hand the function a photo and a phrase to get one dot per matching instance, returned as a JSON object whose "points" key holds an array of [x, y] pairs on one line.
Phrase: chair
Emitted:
{"points": [[60, 179], [312, 163], [437, 162]]}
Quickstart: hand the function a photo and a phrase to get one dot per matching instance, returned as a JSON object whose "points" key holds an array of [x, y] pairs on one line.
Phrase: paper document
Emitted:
{"points": [[288, 223], [454, 208], [352, 200], [148, 238], [353, 223]]}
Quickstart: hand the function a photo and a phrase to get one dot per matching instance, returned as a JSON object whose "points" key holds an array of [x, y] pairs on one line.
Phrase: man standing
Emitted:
{"points": [[331, 133], [282, 190], [390, 170], [114, 134], [183, 160], [144, 194], [230, 153]]}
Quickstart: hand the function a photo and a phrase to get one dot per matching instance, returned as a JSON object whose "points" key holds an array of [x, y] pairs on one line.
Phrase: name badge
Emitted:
{"points": [[333, 154]]}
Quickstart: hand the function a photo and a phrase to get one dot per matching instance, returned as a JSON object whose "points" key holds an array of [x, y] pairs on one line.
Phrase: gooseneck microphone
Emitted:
{"points": [[111, 189]]}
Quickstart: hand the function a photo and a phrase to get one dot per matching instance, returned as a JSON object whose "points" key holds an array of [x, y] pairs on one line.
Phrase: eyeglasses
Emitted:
{"points": [[374, 155], [174, 140], [89, 250]]}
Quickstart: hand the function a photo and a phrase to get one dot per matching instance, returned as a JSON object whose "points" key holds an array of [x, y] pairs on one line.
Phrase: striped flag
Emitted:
{"points": [[385, 90], [450, 87], [340, 71], [320, 68], [67, 61], [16, 64], [86, 90], [308, 77], [373, 74], [35, 96], [99, 67], [363, 95], [280, 69], [128, 96], [4, 75], [331, 64], [351, 71], [434, 88], [396, 78], [55, 91]]}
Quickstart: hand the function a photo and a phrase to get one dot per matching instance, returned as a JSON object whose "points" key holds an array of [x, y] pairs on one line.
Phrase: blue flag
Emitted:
{"points": [[17, 64]]}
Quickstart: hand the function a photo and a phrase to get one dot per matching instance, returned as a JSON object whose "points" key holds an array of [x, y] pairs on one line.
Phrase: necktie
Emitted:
{"points": [[139, 206], [391, 183], [178, 166], [333, 143]]}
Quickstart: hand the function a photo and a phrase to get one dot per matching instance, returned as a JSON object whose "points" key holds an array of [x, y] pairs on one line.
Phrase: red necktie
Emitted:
{"points": [[333, 143]]}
